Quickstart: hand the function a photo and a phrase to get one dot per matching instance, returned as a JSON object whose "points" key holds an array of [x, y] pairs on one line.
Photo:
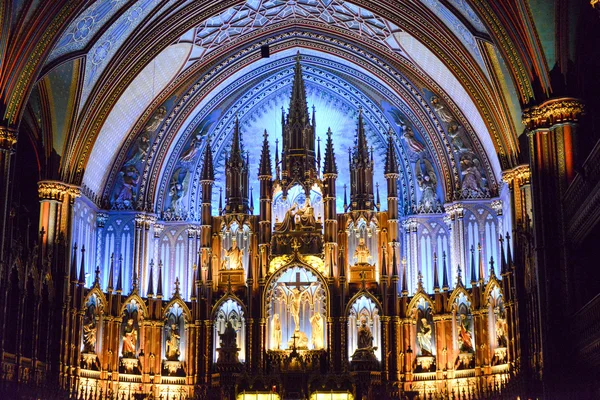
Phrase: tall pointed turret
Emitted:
{"points": [[392, 174], [445, 285], [150, 290], [436, 276], [330, 173], [236, 171], [265, 177], [298, 152], [361, 171]]}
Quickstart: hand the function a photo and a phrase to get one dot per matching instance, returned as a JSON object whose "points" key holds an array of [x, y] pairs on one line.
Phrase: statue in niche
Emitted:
{"points": [[172, 351], [157, 118], [305, 216], [427, 182], [365, 337], [288, 224], [130, 177], [130, 335], [89, 336], [501, 328], [465, 339], [441, 110], [228, 350], [455, 133], [276, 332], [142, 144], [233, 256], [412, 142], [362, 253], [472, 182], [316, 322], [424, 337]]}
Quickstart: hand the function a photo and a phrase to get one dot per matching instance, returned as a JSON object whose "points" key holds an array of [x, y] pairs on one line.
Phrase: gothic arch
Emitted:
{"points": [[415, 300], [186, 311], [138, 300]]}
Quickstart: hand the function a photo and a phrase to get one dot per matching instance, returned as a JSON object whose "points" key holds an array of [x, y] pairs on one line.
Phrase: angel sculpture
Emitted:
{"points": [[190, 153], [411, 140], [427, 181], [473, 181], [455, 133], [177, 188], [157, 118], [441, 110], [142, 145]]}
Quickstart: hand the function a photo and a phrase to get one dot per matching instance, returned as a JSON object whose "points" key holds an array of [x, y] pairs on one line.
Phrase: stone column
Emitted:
{"points": [[412, 250], [8, 143], [455, 219], [551, 131]]}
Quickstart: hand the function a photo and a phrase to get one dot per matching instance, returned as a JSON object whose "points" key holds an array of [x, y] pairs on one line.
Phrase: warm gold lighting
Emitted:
{"points": [[331, 396], [258, 396]]}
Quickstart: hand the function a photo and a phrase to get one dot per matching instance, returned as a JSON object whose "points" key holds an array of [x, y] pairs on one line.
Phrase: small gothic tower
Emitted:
{"points": [[298, 156], [236, 171], [361, 171]]}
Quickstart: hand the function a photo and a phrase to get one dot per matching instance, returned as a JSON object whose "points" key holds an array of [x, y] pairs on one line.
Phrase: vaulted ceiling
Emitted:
{"points": [[130, 90]]}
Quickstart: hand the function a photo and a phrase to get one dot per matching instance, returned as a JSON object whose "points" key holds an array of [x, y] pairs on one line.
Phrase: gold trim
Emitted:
{"points": [[56, 190], [553, 112], [520, 175], [8, 138]]}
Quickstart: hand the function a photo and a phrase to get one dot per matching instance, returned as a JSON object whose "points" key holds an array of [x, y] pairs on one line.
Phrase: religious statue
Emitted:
{"points": [[190, 154], [275, 332], [441, 110], [228, 350], [501, 328], [129, 339], [89, 336], [234, 255], [305, 216], [465, 339], [412, 142], [365, 337], [427, 182], [288, 224], [316, 322], [362, 253], [424, 338], [177, 187], [157, 118], [455, 133], [130, 177], [142, 144], [172, 351], [472, 177]]}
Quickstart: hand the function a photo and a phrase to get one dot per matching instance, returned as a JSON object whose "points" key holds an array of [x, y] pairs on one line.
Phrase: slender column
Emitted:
{"points": [[410, 225], [455, 220], [138, 239], [8, 143], [552, 127]]}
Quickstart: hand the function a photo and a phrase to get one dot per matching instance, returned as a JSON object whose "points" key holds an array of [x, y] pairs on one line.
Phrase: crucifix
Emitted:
{"points": [[294, 297]]}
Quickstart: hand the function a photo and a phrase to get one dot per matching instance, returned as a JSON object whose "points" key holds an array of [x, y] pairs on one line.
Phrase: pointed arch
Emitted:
{"points": [[415, 301], [458, 290], [95, 291], [364, 310], [177, 300], [139, 301]]}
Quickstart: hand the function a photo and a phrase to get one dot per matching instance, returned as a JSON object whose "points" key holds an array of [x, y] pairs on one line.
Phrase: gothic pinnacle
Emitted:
{"points": [[391, 164], [150, 291], [445, 286], [208, 173], [82, 268], [120, 277], [74, 264], [436, 277], [159, 292], [473, 277], [329, 165], [481, 268], [111, 273], [265, 168]]}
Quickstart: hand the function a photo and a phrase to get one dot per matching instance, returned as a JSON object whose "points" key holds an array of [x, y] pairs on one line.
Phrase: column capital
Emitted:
{"points": [[552, 112], [519, 176], [497, 206], [158, 229], [8, 138], [454, 210], [101, 218], [410, 224], [56, 190]]}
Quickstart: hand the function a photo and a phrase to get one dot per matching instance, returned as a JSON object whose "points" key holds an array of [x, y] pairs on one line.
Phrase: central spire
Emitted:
{"points": [[236, 180], [298, 158]]}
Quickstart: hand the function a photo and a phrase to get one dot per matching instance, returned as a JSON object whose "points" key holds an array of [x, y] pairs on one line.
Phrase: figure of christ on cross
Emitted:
{"points": [[296, 296]]}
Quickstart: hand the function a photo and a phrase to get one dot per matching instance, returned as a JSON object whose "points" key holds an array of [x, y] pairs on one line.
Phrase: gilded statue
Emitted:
{"points": [[424, 337], [234, 256], [130, 335], [172, 351], [89, 336], [276, 332], [316, 322], [298, 218], [362, 254], [465, 339]]}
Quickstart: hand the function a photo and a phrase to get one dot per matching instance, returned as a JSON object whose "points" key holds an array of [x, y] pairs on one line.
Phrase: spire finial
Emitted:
{"points": [[111, 273], [436, 277], [420, 281], [492, 272], [473, 277], [404, 278], [120, 278], [481, 268], [458, 275], [97, 277], [391, 164], [330, 165], [176, 292], [445, 285], [208, 172], [159, 293], [82, 268], [508, 251], [150, 290]]}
